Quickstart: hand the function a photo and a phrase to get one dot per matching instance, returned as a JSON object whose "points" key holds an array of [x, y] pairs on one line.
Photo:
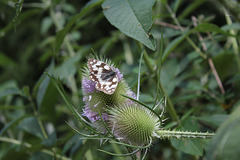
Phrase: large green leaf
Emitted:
{"points": [[132, 17], [225, 145]]}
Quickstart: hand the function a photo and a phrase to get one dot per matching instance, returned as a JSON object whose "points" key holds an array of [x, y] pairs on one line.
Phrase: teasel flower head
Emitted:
{"points": [[134, 124], [97, 101]]}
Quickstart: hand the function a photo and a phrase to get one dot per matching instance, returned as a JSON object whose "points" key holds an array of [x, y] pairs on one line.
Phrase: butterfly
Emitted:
{"points": [[105, 77]]}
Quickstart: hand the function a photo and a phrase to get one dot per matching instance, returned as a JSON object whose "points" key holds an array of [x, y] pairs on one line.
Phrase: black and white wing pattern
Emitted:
{"points": [[106, 79]]}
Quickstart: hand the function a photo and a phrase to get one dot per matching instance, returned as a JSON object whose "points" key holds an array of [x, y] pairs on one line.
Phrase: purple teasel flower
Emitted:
{"points": [[97, 101]]}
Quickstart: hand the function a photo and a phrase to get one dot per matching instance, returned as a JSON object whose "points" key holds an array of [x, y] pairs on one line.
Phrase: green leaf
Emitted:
{"points": [[169, 77], [231, 26], [43, 86], [5, 61], [226, 142], [18, 8], [171, 46], [225, 65], [208, 27], [214, 120], [62, 33], [204, 27], [31, 125], [177, 4], [10, 91], [24, 17], [45, 25], [51, 140], [61, 91], [70, 142], [190, 8], [132, 17], [189, 145], [67, 68], [13, 123], [9, 88], [40, 155]]}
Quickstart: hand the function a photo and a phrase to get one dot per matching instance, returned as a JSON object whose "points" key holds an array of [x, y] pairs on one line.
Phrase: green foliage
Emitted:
{"points": [[197, 72], [190, 146], [133, 18], [225, 143]]}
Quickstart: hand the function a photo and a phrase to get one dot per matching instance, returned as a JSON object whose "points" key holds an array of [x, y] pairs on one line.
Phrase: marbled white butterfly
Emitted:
{"points": [[105, 77]]}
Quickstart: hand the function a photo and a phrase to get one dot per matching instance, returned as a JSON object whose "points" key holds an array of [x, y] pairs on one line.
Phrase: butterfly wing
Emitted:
{"points": [[101, 73]]}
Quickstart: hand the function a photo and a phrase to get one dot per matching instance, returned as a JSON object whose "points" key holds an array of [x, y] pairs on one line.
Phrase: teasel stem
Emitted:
{"points": [[162, 134]]}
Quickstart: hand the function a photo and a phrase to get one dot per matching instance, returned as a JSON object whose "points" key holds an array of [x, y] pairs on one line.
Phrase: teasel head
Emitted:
{"points": [[96, 101], [134, 124], [139, 125]]}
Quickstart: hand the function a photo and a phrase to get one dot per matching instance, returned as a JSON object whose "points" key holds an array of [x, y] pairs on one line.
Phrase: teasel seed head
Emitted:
{"points": [[134, 124]]}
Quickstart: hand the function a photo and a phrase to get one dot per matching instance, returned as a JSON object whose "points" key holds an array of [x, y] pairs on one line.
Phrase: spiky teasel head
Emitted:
{"points": [[134, 124], [97, 101]]}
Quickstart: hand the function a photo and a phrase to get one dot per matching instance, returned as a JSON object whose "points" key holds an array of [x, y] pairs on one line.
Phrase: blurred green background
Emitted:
{"points": [[199, 72]]}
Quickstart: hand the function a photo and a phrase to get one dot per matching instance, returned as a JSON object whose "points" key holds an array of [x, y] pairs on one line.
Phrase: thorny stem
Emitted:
{"points": [[182, 134]]}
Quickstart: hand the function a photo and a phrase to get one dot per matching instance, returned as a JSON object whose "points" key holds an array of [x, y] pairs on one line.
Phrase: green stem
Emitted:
{"points": [[38, 119], [162, 134], [197, 49], [117, 150], [148, 63], [71, 52], [170, 107], [28, 145], [233, 39]]}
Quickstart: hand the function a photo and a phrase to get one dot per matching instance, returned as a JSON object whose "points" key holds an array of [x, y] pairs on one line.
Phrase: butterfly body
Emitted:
{"points": [[105, 77]]}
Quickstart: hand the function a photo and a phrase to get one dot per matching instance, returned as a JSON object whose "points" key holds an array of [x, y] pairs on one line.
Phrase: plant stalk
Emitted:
{"points": [[170, 107], [28, 145], [162, 134]]}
